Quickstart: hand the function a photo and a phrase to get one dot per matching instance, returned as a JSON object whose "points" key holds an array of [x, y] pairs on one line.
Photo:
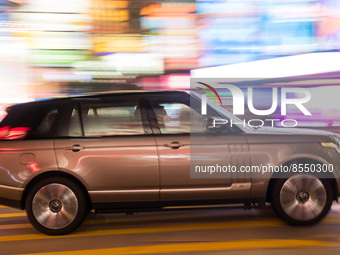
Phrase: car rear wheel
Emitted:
{"points": [[56, 206], [302, 199]]}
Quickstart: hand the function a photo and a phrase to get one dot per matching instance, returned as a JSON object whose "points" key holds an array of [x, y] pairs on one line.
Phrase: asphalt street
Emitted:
{"points": [[231, 230]]}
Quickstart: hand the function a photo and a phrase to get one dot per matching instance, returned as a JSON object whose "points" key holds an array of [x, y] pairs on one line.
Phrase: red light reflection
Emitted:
{"points": [[33, 166]]}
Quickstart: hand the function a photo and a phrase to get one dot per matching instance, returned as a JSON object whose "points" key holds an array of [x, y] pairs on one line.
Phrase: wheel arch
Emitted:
{"points": [[54, 174], [276, 176]]}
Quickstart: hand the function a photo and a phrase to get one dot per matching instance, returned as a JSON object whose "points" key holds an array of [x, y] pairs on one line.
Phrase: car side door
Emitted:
{"points": [[184, 146]]}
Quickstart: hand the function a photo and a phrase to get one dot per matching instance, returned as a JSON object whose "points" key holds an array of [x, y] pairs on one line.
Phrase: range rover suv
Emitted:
{"points": [[143, 150]]}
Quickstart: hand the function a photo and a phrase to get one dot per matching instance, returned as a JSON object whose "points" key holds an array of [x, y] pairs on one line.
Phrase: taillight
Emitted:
{"points": [[4, 132], [16, 133]]}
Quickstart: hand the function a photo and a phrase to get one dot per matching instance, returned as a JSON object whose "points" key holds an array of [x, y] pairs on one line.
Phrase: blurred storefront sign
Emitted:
{"points": [[228, 31], [59, 41], [289, 27], [170, 81], [60, 6], [85, 76], [54, 31], [136, 63], [66, 22], [66, 76], [109, 68], [57, 58], [117, 43], [242, 31], [110, 16], [170, 29]]}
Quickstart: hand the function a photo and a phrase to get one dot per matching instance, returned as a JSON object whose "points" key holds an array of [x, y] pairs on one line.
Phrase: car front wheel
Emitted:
{"points": [[56, 206], [302, 199]]}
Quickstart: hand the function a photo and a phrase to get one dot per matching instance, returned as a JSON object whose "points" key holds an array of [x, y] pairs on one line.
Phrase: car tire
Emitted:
{"points": [[56, 206], [302, 199]]}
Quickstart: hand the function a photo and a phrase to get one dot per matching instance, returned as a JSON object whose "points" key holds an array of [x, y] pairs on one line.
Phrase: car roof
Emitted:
{"points": [[129, 92], [106, 94]]}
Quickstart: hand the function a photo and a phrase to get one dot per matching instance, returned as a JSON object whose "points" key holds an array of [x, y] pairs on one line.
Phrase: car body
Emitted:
{"points": [[140, 150]]}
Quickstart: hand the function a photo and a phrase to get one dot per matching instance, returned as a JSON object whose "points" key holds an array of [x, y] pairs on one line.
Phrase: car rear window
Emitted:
{"points": [[29, 121]]}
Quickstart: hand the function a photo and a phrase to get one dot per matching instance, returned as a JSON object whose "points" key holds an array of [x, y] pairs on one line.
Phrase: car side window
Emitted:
{"points": [[47, 122], [181, 115], [31, 122], [111, 119], [71, 126], [174, 116]]}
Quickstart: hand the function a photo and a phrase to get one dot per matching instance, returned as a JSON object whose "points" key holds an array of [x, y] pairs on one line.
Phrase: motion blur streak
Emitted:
{"points": [[197, 247], [173, 228], [10, 215]]}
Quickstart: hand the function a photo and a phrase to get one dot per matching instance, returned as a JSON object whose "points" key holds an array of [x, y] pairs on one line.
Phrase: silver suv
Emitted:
{"points": [[143, 150]]}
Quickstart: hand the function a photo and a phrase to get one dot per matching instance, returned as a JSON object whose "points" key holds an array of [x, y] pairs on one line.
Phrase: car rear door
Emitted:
{"points": [[106, 142]]}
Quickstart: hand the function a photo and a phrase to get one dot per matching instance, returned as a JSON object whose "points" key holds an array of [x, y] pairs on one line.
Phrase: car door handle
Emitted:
{"points": [[75, 147], [173, 145]]}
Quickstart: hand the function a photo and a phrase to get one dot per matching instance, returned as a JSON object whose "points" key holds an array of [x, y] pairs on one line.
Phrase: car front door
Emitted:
{"points": [[188, 153]]}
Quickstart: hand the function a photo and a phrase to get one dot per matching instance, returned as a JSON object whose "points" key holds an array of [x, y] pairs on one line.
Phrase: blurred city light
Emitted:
{"points": [[56, 48]]}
